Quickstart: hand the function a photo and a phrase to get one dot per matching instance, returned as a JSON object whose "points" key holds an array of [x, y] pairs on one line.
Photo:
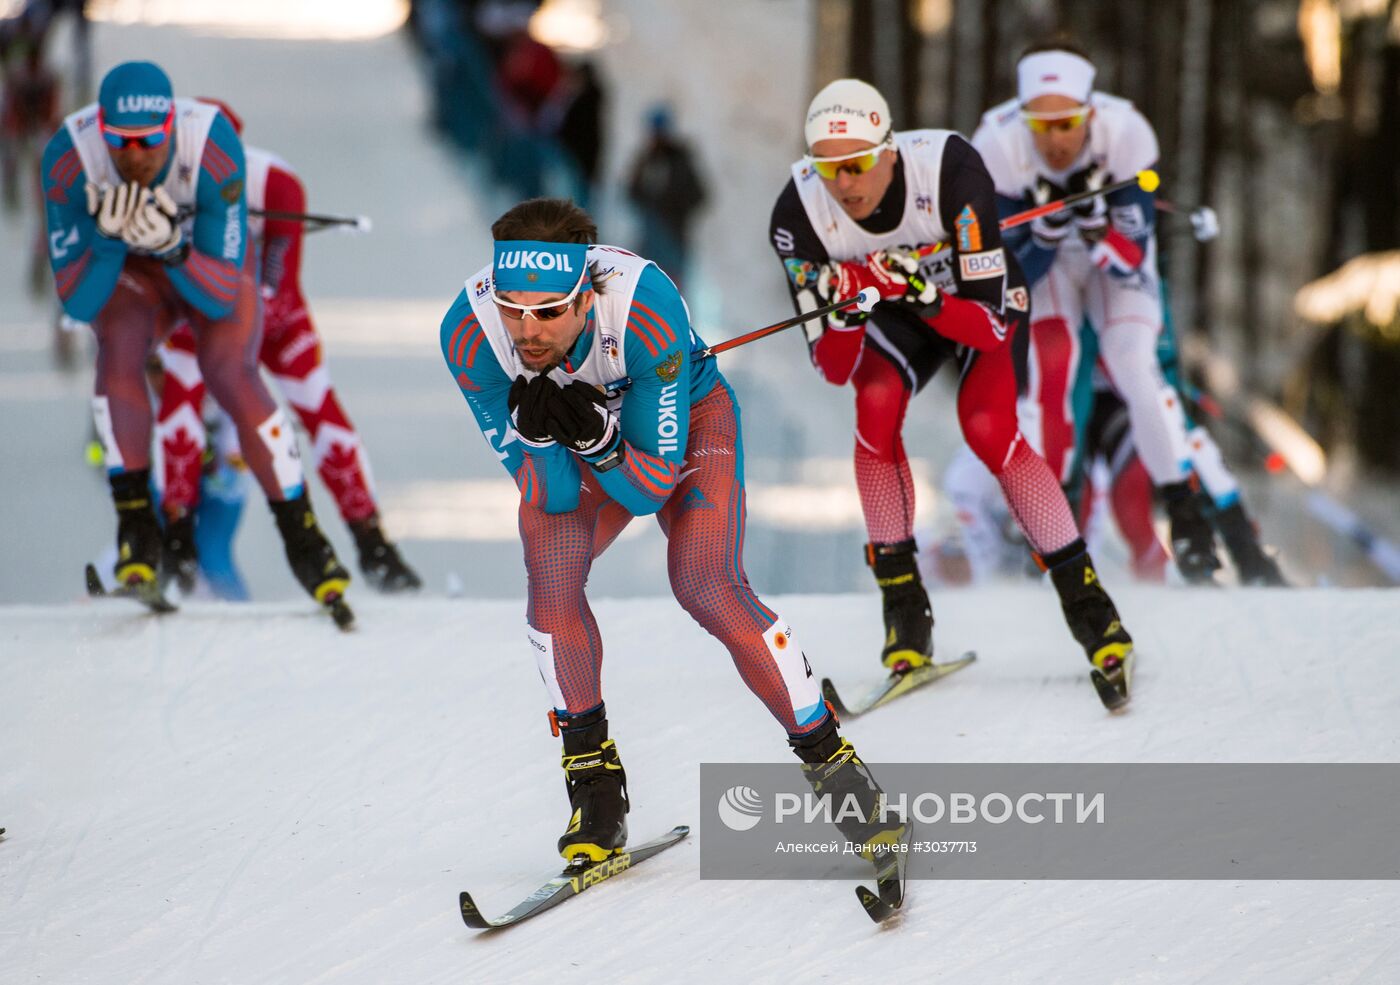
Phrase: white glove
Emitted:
{"points": [[154, 227], [1204, 224], [113, 207]]}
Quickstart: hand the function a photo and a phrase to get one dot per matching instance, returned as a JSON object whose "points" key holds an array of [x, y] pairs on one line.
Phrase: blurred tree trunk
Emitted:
{"points": [[1251, 174], [966, 68], [1365, 218], [1383, 151], [1190, 177]]}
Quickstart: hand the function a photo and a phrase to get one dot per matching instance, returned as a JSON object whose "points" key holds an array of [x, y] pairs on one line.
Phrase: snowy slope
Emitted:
{"points": [[244, 795]]}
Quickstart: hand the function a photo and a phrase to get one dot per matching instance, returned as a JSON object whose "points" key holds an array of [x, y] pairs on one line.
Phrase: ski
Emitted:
{"points": [[148, 593], [888, 895], [899, 682], [1112, 686], [575, 878]]}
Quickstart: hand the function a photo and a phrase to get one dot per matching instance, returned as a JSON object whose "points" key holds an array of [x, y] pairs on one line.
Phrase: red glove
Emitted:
{"points": [[850, 278], [1116, 253]]}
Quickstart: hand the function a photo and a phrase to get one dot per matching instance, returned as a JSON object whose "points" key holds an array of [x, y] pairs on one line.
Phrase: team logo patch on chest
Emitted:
{"points": [[801, 272], [670, 369], [969, 231]]}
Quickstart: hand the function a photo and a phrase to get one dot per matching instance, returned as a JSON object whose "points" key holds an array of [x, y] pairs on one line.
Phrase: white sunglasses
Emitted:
{"points": [[545, 311]]}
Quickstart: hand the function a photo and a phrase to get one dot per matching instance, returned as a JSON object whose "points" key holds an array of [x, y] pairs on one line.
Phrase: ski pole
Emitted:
{"points": [[1147, 180], [351, 223], [865, 300], [356, 223], [1205, 225]]}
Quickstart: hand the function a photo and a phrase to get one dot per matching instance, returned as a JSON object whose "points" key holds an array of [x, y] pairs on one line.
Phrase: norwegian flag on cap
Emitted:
{"points": [[847, 109]]}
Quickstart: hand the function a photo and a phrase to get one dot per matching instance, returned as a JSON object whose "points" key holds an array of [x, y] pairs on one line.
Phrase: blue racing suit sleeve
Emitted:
{"points": [[85, 263], [655, 416], [1035, 259], [547, 477], [208, 278]]}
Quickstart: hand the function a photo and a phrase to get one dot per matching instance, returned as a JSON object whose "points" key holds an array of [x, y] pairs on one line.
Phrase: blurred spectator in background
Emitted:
{"points": [[576, 119], [528, 73], [667, 192], [82, 90], [29, 114], [533, 120]]}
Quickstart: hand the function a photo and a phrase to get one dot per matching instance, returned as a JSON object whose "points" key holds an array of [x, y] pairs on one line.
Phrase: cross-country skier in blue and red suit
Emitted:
{"points": [[148, 226], [580, 365]]}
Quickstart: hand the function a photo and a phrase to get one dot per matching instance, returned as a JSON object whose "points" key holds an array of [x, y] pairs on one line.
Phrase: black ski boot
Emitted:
{"points": [[311, 556], [138, 531], [908, 615], [1242, 541], [380, 561], [1089, 612], [1193, 540], [597, 787], [832, 767], [180, 556]]}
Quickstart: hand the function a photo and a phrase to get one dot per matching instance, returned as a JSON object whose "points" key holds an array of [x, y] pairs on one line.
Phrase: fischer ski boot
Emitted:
{"points": [[1089, 612], [138, 531], [832, 767], [380, 561], [1193, 540], [1242, 542], [597, 786], [309, 553], [180, 555], [908, 615]]}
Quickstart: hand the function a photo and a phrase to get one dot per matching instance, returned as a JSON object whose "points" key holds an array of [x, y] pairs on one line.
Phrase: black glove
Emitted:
{"points": [[1091, 215], [529, 402], [579, 419], [1049, 230]]}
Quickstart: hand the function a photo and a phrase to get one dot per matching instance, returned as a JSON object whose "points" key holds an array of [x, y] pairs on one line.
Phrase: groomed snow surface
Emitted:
{"points": [[242, 794]]}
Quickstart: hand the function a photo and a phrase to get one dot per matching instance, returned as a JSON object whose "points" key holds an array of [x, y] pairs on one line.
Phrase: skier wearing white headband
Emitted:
{"points": [[1098, 259]]}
